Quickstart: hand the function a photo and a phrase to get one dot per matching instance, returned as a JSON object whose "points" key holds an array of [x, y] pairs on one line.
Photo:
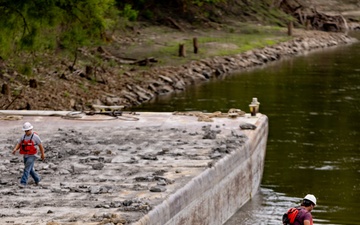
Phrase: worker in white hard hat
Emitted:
{"points": [[304, 216], [28, 144]]}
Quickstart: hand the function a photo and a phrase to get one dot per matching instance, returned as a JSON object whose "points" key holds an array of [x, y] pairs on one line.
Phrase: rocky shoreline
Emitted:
{"points": [[170, 79]]}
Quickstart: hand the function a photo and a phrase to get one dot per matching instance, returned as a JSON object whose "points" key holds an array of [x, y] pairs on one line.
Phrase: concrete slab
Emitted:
{"points": [[149, 168]]}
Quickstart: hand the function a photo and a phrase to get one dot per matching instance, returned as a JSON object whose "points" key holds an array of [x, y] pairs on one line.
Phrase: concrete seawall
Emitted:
{"points": [[159, 169], [216, 194]]}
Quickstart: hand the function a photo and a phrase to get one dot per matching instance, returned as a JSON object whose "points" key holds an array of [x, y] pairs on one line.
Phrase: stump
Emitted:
{"points": [[33, 83], [182, 52], [308, 25], [5, 89], [290, 28], [89, 70], [196, 45]]}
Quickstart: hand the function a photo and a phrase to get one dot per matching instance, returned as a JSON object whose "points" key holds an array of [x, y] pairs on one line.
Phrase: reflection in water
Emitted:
{"points": [[313, 104]]}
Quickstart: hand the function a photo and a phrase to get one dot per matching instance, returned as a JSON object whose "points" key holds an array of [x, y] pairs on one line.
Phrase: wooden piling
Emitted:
{"points": [[182, 52], [195, 45], [308, 25], [5, 89], [290, 28]]}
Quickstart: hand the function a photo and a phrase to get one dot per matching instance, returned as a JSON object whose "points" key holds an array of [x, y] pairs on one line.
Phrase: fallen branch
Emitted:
{"points": [[16, 97], [175, 24]]}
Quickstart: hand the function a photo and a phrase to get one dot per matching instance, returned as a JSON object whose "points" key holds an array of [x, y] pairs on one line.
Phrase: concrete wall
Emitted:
{"points": [[216, 194]]}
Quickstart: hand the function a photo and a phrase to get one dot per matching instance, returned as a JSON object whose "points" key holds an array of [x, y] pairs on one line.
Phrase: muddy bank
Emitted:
{"points": [[164, 80]]}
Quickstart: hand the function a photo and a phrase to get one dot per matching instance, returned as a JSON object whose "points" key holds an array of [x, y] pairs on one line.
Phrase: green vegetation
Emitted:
{"points": [[25, 69], [244, 38], [66, 94], [83, 87], [33, 28], [129, 13], [62, 24], [48, 24]]}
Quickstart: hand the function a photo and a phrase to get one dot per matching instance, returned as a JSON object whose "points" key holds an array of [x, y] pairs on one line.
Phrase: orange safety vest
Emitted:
{"points": [[28, 147]]}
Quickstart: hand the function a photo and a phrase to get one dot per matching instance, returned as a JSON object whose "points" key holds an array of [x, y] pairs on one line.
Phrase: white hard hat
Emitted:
{"points": [[27, 126], [310, 198]]}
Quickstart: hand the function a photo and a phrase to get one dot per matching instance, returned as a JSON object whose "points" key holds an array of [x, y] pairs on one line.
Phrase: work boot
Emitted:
{"points": [[37, 183]]}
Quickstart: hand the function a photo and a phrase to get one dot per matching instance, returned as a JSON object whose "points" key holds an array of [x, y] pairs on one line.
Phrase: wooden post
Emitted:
{"points": [[89, 70], [182, 50], [196, 45], [33, 83], [5, 89], [308, 24], [290, 28]]}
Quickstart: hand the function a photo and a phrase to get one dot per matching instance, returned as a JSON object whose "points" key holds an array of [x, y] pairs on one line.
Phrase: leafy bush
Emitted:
{"points": [[38, 24], [129, 13]]}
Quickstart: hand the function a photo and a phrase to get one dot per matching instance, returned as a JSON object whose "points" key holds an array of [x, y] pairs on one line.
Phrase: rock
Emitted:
{"points": [[14, 160], [3, 182], [166, 79], [210, 134], [222, 148], [94, 190], [149, 157], [247, 126], [215, 155], [78, 168], [98, 166], [3, 168], [127, 202], [165, 89], [158, 189]]}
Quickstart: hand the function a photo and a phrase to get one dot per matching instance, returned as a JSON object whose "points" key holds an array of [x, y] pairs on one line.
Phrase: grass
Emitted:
{"points": [[163, 43], [235, 41], [66, 94], [83, 87]]}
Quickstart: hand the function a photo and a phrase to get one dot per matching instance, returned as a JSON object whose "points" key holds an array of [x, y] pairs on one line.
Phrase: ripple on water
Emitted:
{"points": [[327, 167]]}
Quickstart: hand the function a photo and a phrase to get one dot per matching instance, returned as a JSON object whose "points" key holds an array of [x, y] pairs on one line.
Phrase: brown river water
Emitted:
{"points": [[313, 104]]}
